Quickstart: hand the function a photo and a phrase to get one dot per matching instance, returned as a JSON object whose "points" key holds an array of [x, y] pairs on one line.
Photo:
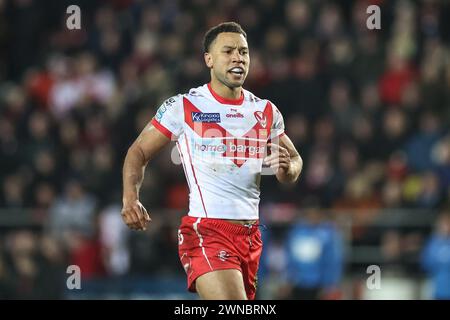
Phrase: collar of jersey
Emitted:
{"points": [[223, 100]]}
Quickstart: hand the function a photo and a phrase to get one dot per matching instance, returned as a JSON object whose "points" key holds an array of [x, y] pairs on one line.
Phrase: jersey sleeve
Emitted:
{"points": [[169, 118], [277, 129]]}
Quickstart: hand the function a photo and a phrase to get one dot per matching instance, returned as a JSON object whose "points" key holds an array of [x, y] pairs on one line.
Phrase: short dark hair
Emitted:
{"points": [[212, 33]]}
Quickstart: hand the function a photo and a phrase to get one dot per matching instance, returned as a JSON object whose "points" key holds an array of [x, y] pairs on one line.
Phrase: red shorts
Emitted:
{"points": [[206, 245]]}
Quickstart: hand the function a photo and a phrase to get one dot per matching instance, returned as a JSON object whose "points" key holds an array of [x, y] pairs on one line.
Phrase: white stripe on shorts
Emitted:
{"points": [[201, 240]]}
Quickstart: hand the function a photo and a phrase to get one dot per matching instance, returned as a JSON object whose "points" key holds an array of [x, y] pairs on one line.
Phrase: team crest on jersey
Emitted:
{"points": [[205, 117], [223, 255], [261, 117]]}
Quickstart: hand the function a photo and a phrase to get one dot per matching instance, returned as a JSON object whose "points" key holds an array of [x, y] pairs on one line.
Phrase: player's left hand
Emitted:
{"points": [[279, 158]]}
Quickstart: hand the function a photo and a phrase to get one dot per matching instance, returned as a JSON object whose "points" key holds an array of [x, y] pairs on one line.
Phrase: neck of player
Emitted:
{"points": [[224, 91]]}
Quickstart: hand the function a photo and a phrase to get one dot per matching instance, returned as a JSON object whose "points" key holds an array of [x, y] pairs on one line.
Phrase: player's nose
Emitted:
{"points": [[237, 57]]}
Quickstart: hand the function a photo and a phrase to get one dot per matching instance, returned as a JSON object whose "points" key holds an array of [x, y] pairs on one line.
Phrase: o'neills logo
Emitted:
{"points": [[261, 117], [232, 149], [234, 115]]}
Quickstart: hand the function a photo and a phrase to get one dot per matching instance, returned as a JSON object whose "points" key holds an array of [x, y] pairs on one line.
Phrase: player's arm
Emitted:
{"points": [[285, 160], [146, 146]]}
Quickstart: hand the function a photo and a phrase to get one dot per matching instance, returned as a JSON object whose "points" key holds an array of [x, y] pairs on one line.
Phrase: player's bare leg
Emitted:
{"points": [[221, 285]]}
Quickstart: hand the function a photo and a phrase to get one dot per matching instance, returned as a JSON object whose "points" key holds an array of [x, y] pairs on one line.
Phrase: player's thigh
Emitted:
{"points": [[221, 285]]}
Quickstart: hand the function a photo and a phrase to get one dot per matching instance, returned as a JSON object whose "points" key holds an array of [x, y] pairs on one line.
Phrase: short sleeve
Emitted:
{"points": [[169, 118], [277, 129]]}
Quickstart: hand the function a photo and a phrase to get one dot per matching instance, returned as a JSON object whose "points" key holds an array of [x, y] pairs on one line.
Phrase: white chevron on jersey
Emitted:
{"points": [[222, 144]]}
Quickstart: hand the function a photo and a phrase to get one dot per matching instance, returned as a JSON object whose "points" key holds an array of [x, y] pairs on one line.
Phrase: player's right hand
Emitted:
{"points": [[135, 216]]}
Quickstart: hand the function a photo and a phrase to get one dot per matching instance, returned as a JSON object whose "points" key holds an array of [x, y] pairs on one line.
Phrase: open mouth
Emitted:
{"points": [[237, 71]]}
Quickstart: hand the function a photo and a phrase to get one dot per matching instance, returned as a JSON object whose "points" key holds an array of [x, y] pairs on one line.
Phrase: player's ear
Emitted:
{"points": [[208, 59]]}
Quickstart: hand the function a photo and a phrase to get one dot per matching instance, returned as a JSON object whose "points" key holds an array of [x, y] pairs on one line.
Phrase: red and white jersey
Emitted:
{"points": [[222, 144]]}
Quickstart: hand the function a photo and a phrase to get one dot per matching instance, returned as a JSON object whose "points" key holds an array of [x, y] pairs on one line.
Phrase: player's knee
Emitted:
{"points": [[222, 294], [221, 285]]}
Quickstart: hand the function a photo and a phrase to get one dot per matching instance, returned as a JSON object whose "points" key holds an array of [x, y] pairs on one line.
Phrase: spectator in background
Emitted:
{"points": [[436, 257], [314, 258], [9, 147], [52, 276], [271, 271], [74, 211], [22, 251], [430, 191], [114, 241], [419, 146], [13, 192], [441, 158], [6, 286]]}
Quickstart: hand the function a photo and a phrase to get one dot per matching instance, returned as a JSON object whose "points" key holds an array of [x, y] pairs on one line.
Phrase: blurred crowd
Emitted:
{"points": [[369, 111]]}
